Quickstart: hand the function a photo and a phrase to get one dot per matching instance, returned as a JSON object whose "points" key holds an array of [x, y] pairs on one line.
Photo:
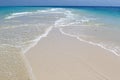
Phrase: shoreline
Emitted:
{"points": [[48, 53]]}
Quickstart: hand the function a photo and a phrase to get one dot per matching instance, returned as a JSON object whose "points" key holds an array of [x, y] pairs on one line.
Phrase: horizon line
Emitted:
{"points": [[52, 6]]}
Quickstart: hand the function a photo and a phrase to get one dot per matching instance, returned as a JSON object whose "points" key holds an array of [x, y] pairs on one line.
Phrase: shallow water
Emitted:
{"points": [[23, 27]]}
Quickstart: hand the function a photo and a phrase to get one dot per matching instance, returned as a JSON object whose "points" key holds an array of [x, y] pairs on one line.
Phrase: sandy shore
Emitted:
{"points": [[60, 57]]}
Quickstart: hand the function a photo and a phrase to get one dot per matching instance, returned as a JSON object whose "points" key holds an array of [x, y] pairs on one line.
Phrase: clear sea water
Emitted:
{"points": [[23, 27]]}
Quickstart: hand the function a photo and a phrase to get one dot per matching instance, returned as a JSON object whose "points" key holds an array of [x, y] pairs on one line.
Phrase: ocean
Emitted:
{"points": [[23, 27]]}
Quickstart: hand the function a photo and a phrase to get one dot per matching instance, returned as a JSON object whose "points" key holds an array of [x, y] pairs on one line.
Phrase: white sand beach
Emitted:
{"points": [[60, 57]]}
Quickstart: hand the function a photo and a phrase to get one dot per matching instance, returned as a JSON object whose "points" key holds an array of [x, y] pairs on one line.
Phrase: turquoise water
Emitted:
{"points": [[23, 27]]}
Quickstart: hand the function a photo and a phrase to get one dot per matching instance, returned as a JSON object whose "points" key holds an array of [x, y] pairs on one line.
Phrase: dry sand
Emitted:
{"points": [[60, 57]]}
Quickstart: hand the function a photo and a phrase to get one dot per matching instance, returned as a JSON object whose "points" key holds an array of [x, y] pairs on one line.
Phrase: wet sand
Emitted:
{"points": [[60, 57]]}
